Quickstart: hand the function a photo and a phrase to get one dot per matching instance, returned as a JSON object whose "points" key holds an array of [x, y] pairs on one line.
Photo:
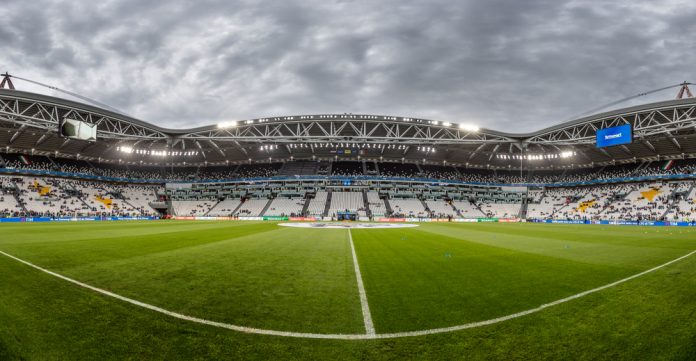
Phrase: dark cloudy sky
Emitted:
{"points": [[507, 65]]}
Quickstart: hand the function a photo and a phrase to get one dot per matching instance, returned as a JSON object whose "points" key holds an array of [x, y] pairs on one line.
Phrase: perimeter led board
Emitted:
{"points": [[623, 134]]}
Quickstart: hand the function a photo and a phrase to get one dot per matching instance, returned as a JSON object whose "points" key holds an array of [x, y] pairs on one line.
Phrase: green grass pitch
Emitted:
{"points": [[260, 275]]}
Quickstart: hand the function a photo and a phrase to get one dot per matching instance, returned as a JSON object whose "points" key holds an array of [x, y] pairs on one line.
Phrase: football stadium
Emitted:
{"points": [[345, 236]]}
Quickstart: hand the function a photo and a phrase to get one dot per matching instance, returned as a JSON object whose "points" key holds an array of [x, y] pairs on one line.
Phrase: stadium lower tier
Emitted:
{"points": [[35, 196]]}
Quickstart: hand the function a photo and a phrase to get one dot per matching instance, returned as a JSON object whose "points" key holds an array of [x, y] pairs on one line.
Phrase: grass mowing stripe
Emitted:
{"points": [[60, 255], [189, 318], [526, 240], [279, 279], [367, 317], [48, 233], [633, 236], [348, 336], [418, 281], [530, 311]]}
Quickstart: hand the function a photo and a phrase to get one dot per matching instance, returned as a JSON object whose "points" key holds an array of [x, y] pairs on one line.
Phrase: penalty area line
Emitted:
{"points": [[367, 316]]}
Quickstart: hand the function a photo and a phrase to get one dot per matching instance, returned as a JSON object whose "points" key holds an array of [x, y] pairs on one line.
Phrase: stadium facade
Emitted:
{"points": [[62, 158]]}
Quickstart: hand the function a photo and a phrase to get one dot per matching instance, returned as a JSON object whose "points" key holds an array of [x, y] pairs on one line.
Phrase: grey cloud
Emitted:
{"points": [[508, 65]]}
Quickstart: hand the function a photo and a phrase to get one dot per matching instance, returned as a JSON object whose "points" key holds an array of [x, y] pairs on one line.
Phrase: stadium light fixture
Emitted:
{"points": [[562, 155], [230, 124], [469, 127]]}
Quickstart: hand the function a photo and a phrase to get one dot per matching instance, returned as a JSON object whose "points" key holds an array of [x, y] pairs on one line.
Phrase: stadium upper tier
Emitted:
{"points": [[20, 164], [29, 124]]}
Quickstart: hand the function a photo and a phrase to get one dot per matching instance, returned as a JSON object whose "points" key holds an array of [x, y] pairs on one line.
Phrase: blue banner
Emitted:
{"points": [[614, 136]]}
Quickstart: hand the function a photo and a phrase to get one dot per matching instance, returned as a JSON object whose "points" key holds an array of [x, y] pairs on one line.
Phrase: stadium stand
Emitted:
{"points": [[376, 204], [252, 207], [683, 203], [52, 196], [410, 208], [346, 202], [192, 208], [317, 205], [321, 164], [501, 210], [467, 209], [257, 170], [225, 208], [343, 168], [347, 168], [439, 172], [37, 196], [398, 170], [441, 209], [299, 168], [285, 207]]}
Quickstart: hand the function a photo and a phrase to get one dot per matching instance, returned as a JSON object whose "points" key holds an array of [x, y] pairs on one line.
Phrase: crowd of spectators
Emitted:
{"points": [[654, 201], [53, 197], [347, 168]]}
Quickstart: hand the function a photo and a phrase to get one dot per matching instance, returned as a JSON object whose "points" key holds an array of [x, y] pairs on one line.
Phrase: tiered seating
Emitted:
{"points": [[47, 197], [501, 210], [592, 201], [225, 207], [439, 172], [467, 209], [631, 201], [252, 207], [376, 204], [646, 201], [552, 201], [258, 170], [299, 168], [441, 209], [477, 175], [100, 200], [34, 198], [347, 168], [684, 208], [346, 201], [408, 208], [8, 203], [317, 204], [371, 168], [535, 195], [55, 197], [22, 161], [140, 197], [285, 207], [192, 208], [398, 170], [216, 172]]}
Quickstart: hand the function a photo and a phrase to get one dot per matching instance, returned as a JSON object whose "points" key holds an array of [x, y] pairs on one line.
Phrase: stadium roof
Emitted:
{"points": [[29, 123]]}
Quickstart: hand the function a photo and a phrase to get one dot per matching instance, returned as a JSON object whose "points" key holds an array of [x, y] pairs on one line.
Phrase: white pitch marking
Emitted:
{"points": [[367, 317], [362, 336]]}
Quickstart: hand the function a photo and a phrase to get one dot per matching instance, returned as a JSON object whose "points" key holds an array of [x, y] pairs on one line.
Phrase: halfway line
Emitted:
{"points": [[367, 317]]}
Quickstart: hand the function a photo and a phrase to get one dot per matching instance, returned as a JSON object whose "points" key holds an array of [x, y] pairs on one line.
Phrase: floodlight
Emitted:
{"points": [[229, 124], [469, 127]]}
